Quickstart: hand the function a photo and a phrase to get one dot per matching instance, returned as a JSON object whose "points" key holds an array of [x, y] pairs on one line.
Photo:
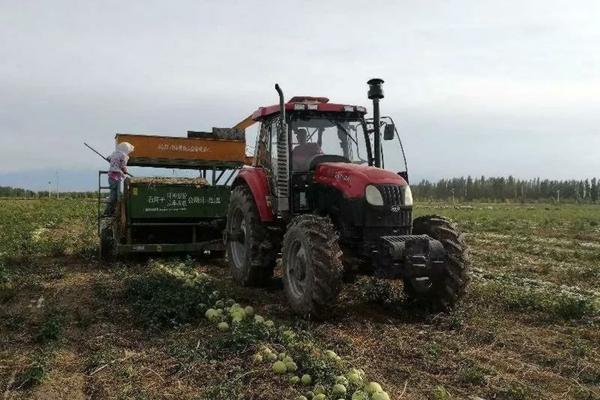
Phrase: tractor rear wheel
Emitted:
{"points": [[448, 286], [312, 263], [250, 254]]}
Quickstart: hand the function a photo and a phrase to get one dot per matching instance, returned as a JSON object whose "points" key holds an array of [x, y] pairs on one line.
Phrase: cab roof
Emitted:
{"points": [[308, 103]]}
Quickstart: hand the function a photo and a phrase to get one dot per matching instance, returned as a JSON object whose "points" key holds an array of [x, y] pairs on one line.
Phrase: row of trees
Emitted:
{"points": [[464, 189], [509, 189], [8, 191]]}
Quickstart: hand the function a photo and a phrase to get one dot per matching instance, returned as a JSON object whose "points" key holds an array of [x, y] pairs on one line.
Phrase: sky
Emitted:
{"points": [[491, 88]]}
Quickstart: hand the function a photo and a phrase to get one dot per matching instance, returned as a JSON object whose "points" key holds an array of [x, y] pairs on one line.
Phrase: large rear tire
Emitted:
{"points": [[250, 254], [449, 286], [312, 262]]}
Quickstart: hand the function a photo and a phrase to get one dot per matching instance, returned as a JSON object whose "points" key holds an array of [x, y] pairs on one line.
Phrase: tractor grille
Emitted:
{"points": [[392, 195], [393, 201], [402, 218], [389, 216]]}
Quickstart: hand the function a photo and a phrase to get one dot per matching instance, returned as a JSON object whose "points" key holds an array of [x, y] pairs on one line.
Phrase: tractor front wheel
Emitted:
{"points": [[447, 286], [312, 262], [250, 254]]}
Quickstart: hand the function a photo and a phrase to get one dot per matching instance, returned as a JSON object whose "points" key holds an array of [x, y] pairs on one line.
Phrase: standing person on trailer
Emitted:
{"points": [[117, 171]]}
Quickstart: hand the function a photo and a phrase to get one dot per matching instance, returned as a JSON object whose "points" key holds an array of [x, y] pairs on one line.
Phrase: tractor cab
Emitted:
{"points": [[326, 142], [317, 127]]}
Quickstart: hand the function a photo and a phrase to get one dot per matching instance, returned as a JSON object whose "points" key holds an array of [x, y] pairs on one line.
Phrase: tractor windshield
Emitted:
{"points": [[313, 135]]}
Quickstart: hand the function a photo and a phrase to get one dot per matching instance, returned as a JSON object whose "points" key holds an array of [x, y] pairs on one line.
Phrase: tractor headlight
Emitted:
{"points": [[373, 196], [408, 200]]}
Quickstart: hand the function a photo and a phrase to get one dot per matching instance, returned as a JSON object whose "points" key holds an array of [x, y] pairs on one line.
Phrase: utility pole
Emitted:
{"points": [[49, 188], [57, 192]]}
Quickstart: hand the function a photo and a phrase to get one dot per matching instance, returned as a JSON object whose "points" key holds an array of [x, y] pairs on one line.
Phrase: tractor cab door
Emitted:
{"points": [[266, 151]]}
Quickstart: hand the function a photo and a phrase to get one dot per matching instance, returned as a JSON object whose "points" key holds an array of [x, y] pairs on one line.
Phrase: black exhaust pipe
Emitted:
{"points": [[281, 102], [283, 165], [376, 93]]}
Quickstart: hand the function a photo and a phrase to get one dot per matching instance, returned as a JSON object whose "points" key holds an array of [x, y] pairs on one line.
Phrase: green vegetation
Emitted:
{"points": [[168, 296], [13, 192], [31, 228], [52, 327], [34, 374]]}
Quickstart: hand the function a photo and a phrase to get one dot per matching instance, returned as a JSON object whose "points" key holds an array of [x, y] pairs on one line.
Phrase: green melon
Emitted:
{"points": [[319, 389], [339, 390], [279, 367], [291, 366], [354, 379], [373, 387], [342, 380], [223, 326], [380, 396], [360, 395], [288, 335], [257, 358], [306, 379], [331, 354], [259, 319], [210, 313]]}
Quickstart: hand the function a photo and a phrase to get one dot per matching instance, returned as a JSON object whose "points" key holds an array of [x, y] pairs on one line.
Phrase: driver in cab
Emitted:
{"points": [[304, 151]]}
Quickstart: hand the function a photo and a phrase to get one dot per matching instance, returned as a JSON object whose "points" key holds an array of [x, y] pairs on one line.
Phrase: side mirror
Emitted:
{"points": [[389, 132]]}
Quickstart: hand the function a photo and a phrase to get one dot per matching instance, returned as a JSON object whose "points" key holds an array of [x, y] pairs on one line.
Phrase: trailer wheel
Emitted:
{"points": [[107, 242], [449, 286], [313, 269], [250, 254]]}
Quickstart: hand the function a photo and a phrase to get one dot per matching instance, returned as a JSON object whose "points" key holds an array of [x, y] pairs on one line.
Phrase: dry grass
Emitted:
{"points": [[528, 329]]}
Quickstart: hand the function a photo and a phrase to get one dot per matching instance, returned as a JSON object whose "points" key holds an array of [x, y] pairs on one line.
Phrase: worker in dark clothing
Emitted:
{"points": [[304, 151]]}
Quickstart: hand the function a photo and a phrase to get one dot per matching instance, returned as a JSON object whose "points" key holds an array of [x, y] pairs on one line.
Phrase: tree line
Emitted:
{"points": [[9, 191], [458, 189], [508, 189]]}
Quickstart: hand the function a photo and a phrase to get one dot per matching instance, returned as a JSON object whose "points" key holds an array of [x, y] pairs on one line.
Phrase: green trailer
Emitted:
{"points": [[160, 214]]}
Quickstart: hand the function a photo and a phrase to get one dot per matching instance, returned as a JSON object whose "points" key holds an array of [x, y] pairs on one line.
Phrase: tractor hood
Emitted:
{"points": [[351, 179]]}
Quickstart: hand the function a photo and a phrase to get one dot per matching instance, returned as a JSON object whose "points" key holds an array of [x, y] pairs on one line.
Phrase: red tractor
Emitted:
{"points": [[319, 196]]}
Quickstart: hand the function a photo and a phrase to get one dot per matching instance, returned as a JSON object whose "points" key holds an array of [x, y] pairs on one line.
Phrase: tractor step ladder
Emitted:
{"points": [[103, 191]]}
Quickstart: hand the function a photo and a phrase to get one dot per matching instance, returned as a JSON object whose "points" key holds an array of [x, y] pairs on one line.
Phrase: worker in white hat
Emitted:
{"points": [[116, 173]]}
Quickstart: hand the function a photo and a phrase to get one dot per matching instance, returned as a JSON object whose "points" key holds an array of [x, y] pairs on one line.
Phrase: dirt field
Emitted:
{"points": [[72, 327]]}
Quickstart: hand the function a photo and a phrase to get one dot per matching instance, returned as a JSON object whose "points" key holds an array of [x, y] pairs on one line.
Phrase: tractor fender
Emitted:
{"points": [[256, 180]]}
